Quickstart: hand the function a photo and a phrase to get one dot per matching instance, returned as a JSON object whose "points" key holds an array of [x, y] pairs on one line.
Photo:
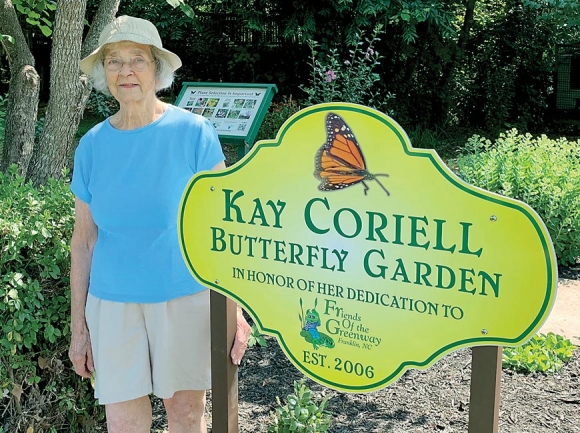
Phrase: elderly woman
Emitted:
{"points": [[140, 322]]}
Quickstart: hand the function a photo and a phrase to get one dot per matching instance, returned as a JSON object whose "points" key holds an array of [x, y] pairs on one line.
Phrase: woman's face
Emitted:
{"points": [[134, 82]]}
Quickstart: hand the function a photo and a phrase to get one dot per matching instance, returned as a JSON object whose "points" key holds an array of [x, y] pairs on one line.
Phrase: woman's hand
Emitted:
{"points": [[243, 332], [80, 353]]}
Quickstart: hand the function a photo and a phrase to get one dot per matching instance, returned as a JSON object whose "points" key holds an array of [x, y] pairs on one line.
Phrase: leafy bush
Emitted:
{"points": [[278, 113], [542, 172], [301, 414], [334, 79], [544, 353], [102, 105], [37, 385]]}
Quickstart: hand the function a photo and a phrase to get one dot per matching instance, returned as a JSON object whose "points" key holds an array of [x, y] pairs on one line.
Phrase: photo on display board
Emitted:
{"points": [[250, 103]]}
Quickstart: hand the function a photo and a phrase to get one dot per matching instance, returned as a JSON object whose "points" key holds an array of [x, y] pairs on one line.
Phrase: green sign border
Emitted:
{"points": [[470, 189]]}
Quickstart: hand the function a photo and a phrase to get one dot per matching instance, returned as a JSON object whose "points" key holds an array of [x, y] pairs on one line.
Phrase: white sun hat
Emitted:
{"points": [[126, 28]]}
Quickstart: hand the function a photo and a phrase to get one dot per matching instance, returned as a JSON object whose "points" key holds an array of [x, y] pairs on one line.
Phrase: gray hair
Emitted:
{"points": [[163, 72]]}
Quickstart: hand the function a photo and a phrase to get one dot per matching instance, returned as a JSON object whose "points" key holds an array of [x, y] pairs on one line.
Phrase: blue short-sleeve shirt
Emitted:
{"points": [[133, 181]]}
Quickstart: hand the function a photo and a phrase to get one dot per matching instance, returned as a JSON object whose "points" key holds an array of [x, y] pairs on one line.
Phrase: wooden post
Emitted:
{"points": [[224, 374], [485, 389]]}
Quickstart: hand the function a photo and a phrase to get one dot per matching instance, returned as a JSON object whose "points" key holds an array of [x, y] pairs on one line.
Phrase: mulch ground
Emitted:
{"points": [[432, 400]]}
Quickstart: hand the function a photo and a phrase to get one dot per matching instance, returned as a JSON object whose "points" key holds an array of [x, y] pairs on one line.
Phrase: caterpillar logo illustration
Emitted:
{"points": [[310, 323]]}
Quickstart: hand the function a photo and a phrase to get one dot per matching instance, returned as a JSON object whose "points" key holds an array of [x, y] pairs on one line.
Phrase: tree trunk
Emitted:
{"points": [[23, 94], [442, 92], [69, 91]]}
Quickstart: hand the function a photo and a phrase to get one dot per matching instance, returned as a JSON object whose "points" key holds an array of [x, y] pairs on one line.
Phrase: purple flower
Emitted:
{"points": [[330, 76]]}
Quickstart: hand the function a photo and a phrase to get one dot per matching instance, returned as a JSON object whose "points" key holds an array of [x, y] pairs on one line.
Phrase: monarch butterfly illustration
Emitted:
{"points": [[340, 162]]}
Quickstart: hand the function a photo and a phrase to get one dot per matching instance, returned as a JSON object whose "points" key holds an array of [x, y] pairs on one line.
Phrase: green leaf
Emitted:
{"points": [[46, 31], [187, 10], [7, 38]]}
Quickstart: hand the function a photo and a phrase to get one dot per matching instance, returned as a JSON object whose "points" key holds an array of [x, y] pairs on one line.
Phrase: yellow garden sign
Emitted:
{"points": [[362, 255]]}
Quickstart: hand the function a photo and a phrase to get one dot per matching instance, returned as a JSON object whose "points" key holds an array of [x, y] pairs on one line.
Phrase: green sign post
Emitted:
{"points": [[236, 110]]}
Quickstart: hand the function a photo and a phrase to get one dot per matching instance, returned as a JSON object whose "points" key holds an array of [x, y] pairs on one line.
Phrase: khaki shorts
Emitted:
{"points": [[159, 348]]}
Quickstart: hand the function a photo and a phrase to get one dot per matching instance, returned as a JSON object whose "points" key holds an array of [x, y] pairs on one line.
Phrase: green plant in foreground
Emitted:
{"points": [[37, 385], [541, 172], [301, 414], [543, 353], [256, 338]]}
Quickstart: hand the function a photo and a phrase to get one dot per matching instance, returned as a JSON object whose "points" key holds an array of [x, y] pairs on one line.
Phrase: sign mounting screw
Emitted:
{"points": [[484, 331], [493, 218]]}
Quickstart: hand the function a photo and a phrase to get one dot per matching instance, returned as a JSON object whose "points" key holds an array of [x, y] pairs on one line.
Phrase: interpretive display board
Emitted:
{"points": [[362, 255], [235, 110]]}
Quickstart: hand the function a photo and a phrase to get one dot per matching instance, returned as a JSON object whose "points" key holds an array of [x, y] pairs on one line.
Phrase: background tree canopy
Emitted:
{"points": [[441, 64], [469, 63]]}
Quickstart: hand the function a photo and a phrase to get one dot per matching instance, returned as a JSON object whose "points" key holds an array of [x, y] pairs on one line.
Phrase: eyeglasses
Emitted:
{"points": [[137, 64]]}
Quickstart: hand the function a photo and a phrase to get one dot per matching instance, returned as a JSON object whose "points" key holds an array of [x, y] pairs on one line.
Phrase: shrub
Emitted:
{"points": [[37, 385], [543, 353], [542, 172], [101, 104], [301, 414], [352, 79], [278, 113]]}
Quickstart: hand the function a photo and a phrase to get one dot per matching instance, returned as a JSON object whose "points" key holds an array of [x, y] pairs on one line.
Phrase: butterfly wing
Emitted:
{"points": [[339, 162]]}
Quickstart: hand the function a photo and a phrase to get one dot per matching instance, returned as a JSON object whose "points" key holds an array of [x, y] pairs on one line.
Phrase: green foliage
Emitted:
{"points": [[35, 226], [346, 80], [38, 13], [432, 138], [543, 353], [102, 105], [185, 8], [256, 338], [411, 14], [542, 172], [564, 13], [301, 414], [278, 113]]}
